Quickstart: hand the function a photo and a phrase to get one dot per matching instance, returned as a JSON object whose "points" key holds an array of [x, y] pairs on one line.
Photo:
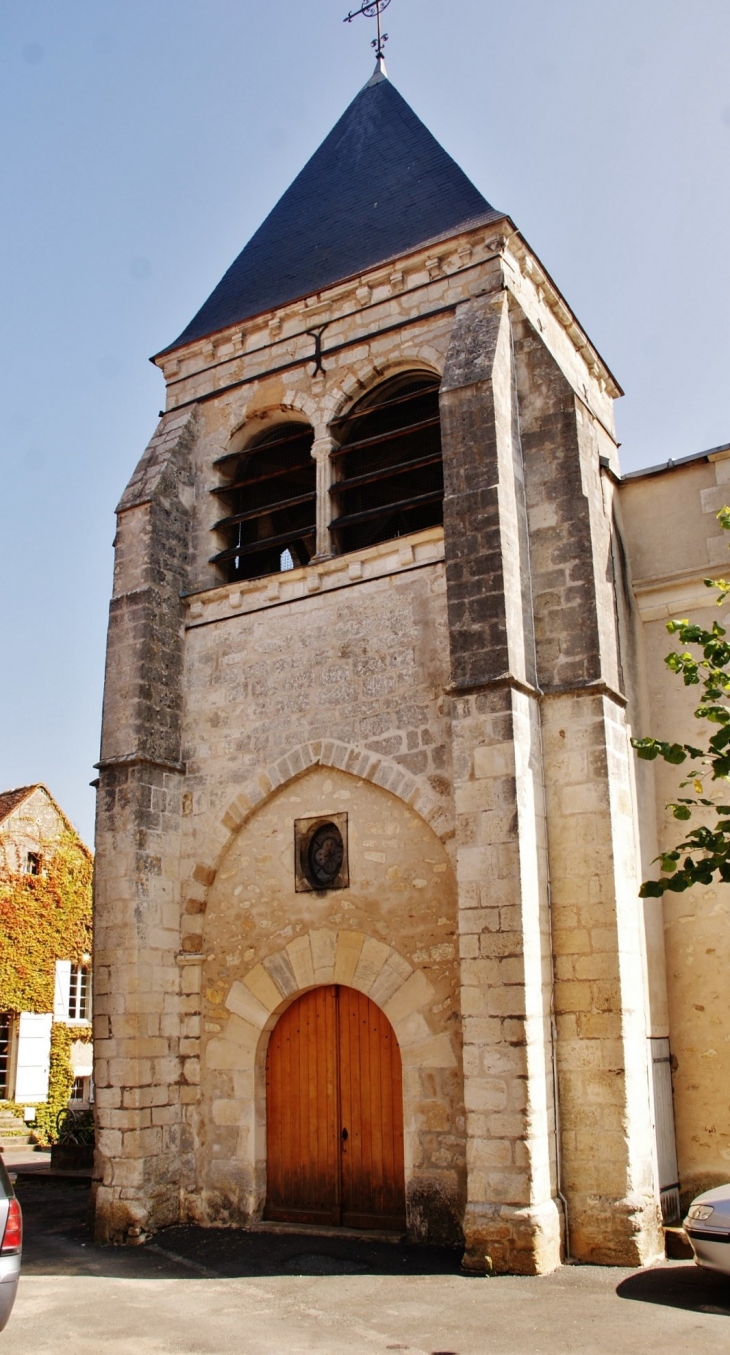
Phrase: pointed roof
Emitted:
{"points": [[378, 186], [10, 799]]}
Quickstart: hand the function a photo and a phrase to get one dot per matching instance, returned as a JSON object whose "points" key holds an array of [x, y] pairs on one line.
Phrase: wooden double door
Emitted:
{"points": [[334, 1114]]}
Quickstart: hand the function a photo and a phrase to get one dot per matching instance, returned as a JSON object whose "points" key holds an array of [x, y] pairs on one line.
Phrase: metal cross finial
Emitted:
{"points": [[372, 9]]}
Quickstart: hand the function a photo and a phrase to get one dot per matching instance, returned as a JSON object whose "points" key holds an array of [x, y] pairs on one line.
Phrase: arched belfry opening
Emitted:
{"points": [[334, 1113], [269, 497], [389, 474]]}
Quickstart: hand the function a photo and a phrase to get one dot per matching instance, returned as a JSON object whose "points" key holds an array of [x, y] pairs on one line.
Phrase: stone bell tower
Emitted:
{"points": [[366, 903]]}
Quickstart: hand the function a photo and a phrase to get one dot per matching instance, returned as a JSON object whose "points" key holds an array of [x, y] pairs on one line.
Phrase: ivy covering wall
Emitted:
{"points": [[44, 918]]}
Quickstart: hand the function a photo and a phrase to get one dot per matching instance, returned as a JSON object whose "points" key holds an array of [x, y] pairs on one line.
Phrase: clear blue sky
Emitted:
{"points": [[143, 141]]}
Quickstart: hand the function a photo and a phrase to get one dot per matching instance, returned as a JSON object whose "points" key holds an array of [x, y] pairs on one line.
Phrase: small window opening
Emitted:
{"points": [[33, 863], [389, 470], [270, 497], [78, 993], [78, 1090]]}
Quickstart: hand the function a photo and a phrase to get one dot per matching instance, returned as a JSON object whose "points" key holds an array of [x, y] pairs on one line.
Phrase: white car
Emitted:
{"points": [[707, 1226]]}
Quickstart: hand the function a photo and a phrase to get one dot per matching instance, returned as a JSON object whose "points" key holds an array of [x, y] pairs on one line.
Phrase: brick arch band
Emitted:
{"points": [[359, 762]]}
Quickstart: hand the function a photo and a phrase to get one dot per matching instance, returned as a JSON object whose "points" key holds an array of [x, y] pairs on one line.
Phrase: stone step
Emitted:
{"points": [[677, 1246]]}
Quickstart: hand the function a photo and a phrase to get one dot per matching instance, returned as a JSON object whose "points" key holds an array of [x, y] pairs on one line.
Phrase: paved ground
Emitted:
{"points": [[211, 1292]]}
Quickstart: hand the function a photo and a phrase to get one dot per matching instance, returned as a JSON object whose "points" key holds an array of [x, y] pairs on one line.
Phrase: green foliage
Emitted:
{"points": [[60, 1081], [44, 918], [707, 846], [15, 1109]]}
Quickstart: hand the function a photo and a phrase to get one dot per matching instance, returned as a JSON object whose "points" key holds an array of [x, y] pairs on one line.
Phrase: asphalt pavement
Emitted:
{"points": [[192, 1291]]}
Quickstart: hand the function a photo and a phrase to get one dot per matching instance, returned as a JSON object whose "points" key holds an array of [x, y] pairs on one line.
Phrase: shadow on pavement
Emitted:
{"points": [[679, 1286], [58, 1241]]}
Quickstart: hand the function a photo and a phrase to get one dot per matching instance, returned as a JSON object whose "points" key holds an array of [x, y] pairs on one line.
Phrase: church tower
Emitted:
{"points": [[368, 945]]}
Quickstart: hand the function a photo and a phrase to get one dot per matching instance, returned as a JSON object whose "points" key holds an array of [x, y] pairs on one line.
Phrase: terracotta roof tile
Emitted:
{"points": [[10, 799]]}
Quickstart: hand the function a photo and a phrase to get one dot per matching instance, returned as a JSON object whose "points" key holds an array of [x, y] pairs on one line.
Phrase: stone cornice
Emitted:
{"points": [[279, 333], [667, 595], [326, 575], [430, 263], [138, 759]]}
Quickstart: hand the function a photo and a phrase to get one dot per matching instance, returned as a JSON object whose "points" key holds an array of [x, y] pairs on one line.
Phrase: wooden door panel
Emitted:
{"points": [[301, 1117], [371, 1110], [334, 1125]]}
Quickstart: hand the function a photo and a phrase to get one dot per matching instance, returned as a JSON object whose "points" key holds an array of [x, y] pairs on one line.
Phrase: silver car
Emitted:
{"points": [[11, 1243], [707, 1226]]}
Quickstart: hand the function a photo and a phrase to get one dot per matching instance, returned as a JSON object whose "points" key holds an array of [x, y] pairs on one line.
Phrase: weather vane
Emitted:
{"points": [[372, 9]]}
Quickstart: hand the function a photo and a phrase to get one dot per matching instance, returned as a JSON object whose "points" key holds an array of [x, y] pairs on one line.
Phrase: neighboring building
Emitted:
{"points": [[674, 542], [370, 833], [31, 828]]}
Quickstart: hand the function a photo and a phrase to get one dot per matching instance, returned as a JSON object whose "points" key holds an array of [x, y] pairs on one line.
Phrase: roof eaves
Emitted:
{"points": [[574, 321], [712, 454], [24, 792], [485, 219], [11, 799]]}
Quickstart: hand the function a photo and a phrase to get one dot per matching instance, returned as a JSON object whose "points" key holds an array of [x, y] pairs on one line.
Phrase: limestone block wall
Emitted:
{"points": [[598, 937], [673, 541], [512, 1220], [392, 933], [363, 663], [140, 1077], [463, 689]]}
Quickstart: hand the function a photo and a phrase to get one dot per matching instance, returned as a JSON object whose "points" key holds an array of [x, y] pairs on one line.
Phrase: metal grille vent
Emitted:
{"points": [[270, 495], [389, 471]]}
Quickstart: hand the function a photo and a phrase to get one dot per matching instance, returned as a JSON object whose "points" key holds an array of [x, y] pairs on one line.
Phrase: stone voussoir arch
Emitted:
{"points": [[246, 419], [256, 1000], [368, 374], [381, 771], [324, 956]]}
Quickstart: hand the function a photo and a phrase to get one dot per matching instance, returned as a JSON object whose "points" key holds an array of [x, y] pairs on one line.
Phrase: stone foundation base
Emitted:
{"points": [[610, 1232], [501, 1240], [120, 1221]]}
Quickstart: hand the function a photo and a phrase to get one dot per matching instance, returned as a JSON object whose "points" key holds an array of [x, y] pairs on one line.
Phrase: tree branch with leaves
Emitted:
{"points": [[704, 854]]}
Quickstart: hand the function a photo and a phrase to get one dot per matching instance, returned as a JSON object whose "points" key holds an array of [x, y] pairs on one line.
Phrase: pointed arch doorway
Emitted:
{"points": [[334, 1114]]}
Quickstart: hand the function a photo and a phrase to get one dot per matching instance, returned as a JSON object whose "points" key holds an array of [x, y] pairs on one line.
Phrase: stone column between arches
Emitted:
{"points": [[236, 1190]]}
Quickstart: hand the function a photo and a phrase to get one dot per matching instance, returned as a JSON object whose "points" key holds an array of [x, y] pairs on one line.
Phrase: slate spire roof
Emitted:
{"points": [[379, 185]]}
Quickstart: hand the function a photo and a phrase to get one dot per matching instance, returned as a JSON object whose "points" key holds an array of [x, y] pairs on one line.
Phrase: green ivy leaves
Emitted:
{"points": [[44, 918]]}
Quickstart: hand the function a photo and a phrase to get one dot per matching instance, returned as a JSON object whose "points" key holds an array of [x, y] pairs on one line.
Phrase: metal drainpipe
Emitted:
{"points": [[556, 1096]]}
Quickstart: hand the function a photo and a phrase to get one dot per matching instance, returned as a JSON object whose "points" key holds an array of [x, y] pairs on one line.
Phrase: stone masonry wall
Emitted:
{"points": [[673, 542], [387, 677], [597, 921], [137, 1068], [32, 827], [511, 1221], [263, 943]]}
